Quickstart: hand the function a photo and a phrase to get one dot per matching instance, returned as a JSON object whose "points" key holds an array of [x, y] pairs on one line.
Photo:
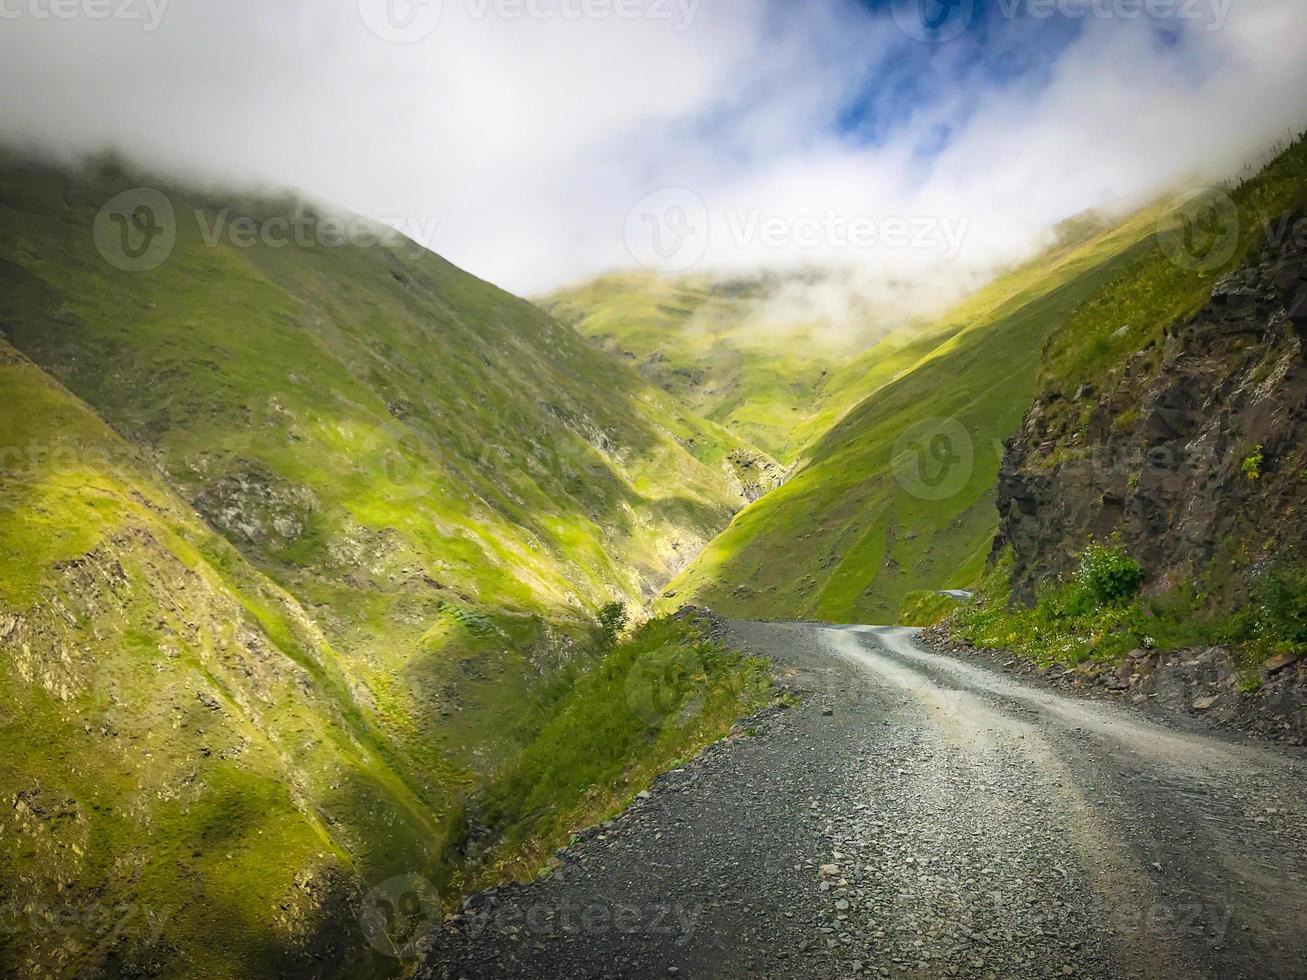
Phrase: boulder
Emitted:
{"points": [[1280, 661]]}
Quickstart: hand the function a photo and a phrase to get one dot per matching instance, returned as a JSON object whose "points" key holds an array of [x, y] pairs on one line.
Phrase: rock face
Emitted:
{"points": [[755, 473], [1193, 450]]}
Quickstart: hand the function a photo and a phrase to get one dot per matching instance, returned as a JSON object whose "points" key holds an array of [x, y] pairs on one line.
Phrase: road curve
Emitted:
{"points": [[920, 816]]}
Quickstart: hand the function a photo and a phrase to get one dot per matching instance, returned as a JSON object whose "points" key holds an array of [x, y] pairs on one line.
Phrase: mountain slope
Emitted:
{"points": [[1183, 435], [898, 495], [749, 354], [293, 532], [189, 778]]}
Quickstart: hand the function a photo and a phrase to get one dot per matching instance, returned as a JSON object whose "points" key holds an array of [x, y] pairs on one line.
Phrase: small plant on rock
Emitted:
{"points": [[1109, 575], [1252, 463]]}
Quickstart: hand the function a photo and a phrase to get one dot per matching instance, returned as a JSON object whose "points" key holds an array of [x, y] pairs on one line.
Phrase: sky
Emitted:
{"points": [[539, 142]]}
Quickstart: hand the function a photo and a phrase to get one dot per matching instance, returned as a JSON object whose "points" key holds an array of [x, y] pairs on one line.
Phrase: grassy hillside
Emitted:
{"points": [[289, 531], [897, 494], [190, 782], [1205, 237], [734, 352], [1169, 423]]}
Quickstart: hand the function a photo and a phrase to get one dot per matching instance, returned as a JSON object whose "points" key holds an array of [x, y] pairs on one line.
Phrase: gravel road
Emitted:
{"points": [[920, 816]]}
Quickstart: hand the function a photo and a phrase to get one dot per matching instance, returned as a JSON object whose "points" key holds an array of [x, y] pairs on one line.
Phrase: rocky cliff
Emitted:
{"points": [[1193, 451]]}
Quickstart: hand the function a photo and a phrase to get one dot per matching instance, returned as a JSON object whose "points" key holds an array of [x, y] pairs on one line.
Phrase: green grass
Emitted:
{"points": [[293, 538], [720, 349], [655, 700], [195, 732], [1156, 291], [855, 531], [1075, 621], [924, 609]]}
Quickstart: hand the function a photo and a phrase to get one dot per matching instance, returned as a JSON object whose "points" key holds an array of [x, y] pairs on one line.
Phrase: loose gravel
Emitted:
{"points": [[914, 816]]}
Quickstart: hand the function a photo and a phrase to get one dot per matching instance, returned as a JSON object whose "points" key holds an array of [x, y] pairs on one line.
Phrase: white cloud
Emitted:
{"points": [[530, 140]]}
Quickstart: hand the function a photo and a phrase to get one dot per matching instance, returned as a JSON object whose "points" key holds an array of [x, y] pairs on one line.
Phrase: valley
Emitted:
{"points": [[337, 581]]}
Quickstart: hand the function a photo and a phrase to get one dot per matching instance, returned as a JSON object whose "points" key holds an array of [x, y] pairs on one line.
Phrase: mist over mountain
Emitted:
{"points": [[645, 488], [763, 111]]}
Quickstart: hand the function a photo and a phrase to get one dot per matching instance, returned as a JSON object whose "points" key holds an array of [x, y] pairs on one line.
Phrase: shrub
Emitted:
{"points": [[612, 620], [1109, 575], [1276, 616], [1252, 463]]}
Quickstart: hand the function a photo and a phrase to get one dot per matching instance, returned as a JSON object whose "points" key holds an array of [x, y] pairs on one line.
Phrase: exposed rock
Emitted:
{"points": [[1159, 459], [252, 506], [757, 473], [1276, 663]]}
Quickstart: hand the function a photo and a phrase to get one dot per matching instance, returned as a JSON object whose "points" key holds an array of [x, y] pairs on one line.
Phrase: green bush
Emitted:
{"points": [[1109, 576], [924, 609], [1252, 463], [1276, 616], [1100, 615], [612, 620]]}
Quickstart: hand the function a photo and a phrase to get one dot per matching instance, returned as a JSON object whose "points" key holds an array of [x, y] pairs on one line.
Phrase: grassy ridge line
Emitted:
{"points": [[1251, 594], [1164, 285], [851, 535], [909, 345], [435, 469], [337, 370]]}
